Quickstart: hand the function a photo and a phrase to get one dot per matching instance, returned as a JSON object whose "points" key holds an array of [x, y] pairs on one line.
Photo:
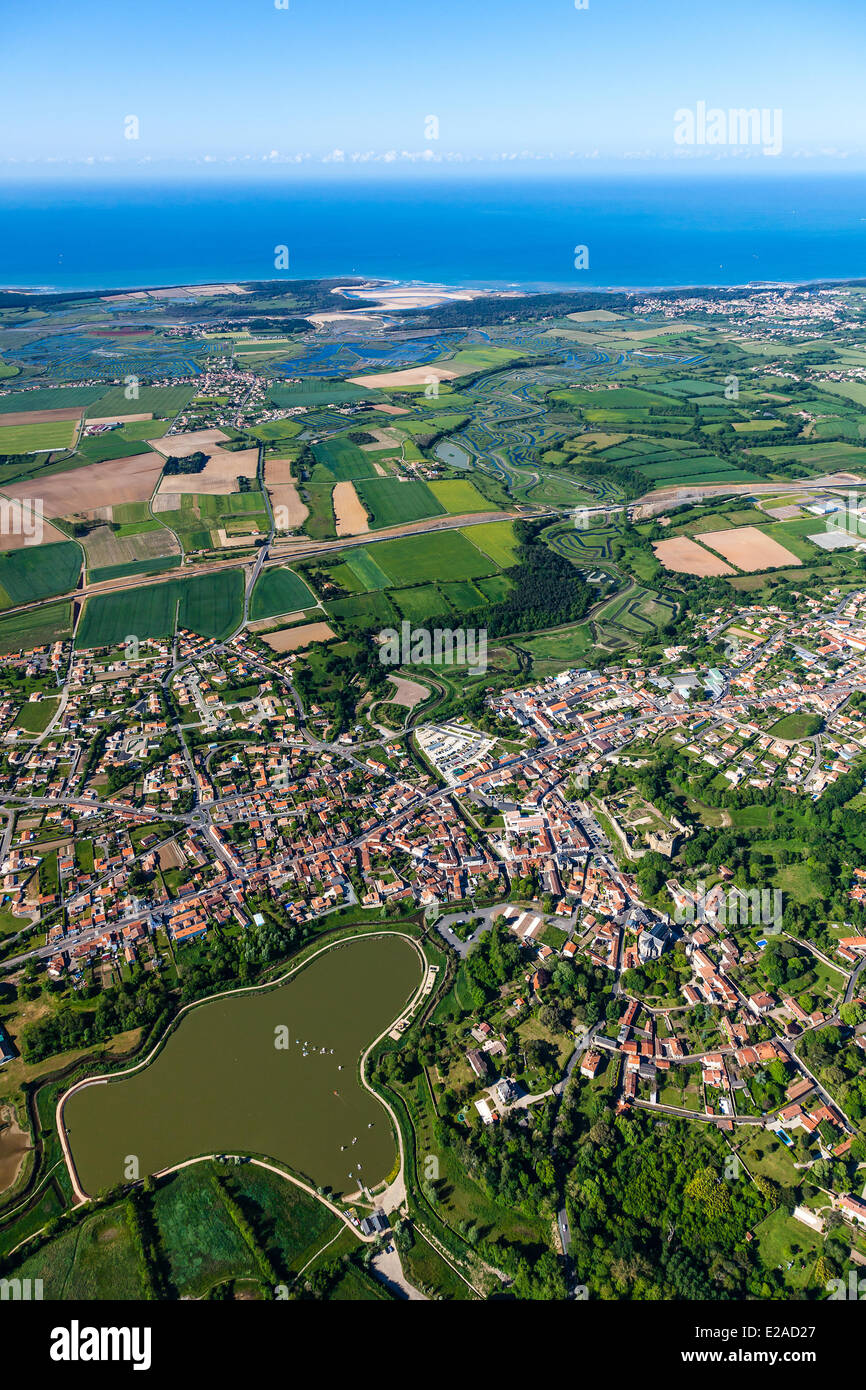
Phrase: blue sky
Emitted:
{"points": [[332, 84]]}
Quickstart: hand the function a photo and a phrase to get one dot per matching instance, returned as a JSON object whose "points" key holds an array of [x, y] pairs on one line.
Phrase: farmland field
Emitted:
{"points": [[25, 439], [344, 461], [368, 608], [38, 571], [749, 549], [389, 502], [24, 631], [496, 539], [315, 392], [364, 567], [210, 605], [162, 401], [464, 596], [458, 495], [144, 566], [442, 555], [419, 603], [51, 398], [280, 591], [148, 611]]}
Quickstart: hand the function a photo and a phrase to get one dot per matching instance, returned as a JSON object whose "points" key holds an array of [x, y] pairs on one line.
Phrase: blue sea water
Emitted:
{"points": [[489, 231]]}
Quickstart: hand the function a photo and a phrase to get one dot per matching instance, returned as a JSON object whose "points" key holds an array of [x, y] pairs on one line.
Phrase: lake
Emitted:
{"points": [[220, 1083]]}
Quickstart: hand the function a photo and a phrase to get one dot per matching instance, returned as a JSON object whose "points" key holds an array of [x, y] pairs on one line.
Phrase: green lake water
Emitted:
{"points": [[220, 1084]]}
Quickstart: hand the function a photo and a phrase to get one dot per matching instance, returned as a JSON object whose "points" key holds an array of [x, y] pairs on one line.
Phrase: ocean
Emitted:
{"points": [[488, 230]]}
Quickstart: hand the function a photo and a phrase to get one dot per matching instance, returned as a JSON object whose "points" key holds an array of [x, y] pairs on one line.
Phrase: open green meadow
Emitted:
{"points": [[316, 392], [420, 602], [457, 495], [30, 439], [366, 608], [155, 565], [390, 501], [343, 460], [434, 555], [97, 1259], [50, 398], [163, 402], [369, 574], [211, 605], [36, 628], [201, 1242], [496, 539], [280, 591], [38, 571], [320, 524]]}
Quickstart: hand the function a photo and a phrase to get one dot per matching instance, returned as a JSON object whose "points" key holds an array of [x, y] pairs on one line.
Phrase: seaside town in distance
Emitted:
{"points": [[484, 673]]}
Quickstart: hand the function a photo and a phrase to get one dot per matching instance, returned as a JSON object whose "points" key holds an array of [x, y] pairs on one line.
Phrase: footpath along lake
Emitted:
{"points": [[220, 1084]]}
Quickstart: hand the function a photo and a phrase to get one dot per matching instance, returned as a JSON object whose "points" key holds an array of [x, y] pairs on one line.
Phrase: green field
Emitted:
{"points": [[202, 1245], [496, 539], [365, 569], [607, 398], [793, 726], [38, 628], [367, 608], [316, 392], [38, 571], [464, 596], [495, 587], [36, 715], [275, 429], [343, 460], [97, 1259], [210, 605], [419, 603], [28, 439], [116, 444], [51, 398], [436, 555], [390, 501], [280, 591], [457, 496], [163, 402], [320, 524], [152, 566]]}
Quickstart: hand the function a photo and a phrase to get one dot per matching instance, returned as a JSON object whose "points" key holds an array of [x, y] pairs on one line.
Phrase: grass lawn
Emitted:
{"points": [[793, 726], [35, 716], [783, 1241]]}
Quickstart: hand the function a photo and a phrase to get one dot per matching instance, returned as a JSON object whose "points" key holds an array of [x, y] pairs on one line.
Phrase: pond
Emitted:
{"points": [[223, 1084]]}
